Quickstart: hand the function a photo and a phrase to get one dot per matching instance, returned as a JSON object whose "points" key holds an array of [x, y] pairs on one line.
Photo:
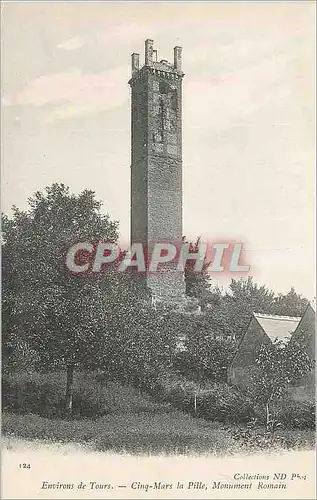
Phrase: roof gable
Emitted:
{"points": [[250, 342], [277, 327], [306, 330]]}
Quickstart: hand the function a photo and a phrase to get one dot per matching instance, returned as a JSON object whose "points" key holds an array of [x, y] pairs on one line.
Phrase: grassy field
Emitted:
{"points": [[171, 433], [110, 417]]}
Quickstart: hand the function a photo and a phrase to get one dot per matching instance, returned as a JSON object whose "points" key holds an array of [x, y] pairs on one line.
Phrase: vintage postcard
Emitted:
{"points": [[158, 250]]}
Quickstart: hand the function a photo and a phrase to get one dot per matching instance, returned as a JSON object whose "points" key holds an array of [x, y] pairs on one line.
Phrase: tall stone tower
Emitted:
{"points": [[156, 162]]}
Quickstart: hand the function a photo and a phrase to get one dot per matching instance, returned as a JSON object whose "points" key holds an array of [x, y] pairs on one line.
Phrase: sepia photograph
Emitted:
{"points": [[158, 249]]}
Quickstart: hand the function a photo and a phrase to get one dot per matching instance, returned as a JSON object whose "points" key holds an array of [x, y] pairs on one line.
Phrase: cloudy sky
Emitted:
{"points": [[248, 121]]}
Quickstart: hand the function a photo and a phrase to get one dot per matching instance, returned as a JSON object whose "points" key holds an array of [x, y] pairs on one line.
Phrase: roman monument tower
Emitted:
{"points": [[156, 162]]}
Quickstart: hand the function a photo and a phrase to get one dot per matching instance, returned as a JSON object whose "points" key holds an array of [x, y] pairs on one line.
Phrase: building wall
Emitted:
{"points": [[156, 170], [139, 159]]}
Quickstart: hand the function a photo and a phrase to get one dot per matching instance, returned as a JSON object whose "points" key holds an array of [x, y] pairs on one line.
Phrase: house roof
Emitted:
{"points": [[280, 327], [307, 322]]}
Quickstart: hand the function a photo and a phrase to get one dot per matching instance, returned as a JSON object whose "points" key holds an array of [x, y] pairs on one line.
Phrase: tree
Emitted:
{"points": [[198, 283], [278, 364], [290, 304], [228, 314], [245, 297], [68, 320], [220, 315], [143, 347], [208, 356], [93, 321]]}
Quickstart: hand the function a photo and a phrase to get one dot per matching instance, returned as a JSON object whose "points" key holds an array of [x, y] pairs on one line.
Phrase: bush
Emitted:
{"points": [[287, 413], [214, 401], [224, 403], [43, 394], [206, 357], [256, 437], [297, 414], [29, 393]]}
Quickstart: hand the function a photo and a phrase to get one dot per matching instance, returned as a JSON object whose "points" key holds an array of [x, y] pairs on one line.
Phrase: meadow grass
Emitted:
{"points": [[172, 433], [111, 417]]}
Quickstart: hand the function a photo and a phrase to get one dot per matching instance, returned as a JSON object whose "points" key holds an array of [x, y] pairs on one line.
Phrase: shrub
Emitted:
{"points": [[27, 393], [43, 394], [214, 401], [224, 403], [287, 413], [298, 414], [206, 357], [255, 437]]}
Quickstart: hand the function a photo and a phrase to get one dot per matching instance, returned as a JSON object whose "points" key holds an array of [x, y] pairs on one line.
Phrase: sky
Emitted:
{"points": [[248, 117]]}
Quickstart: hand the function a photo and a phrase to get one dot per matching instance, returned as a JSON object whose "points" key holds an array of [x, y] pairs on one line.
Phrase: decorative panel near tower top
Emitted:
{"points": [[156, 152]]}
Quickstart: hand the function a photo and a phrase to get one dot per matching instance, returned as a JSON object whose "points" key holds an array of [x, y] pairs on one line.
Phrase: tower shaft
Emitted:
{"points": [[156, 161]]}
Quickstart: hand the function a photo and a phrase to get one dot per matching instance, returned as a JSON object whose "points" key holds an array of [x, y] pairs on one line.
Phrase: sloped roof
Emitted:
{"points": [[307, 322], [280, 327]]}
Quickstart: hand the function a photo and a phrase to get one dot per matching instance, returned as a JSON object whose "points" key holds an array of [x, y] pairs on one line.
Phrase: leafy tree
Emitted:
{"points": [[250, 293], [143, 347], [102, 321], [290, 304], [245, 297], [68, 320], [198, 283], [228, 314], [277, 365], [219, 316], [208, 357]]}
